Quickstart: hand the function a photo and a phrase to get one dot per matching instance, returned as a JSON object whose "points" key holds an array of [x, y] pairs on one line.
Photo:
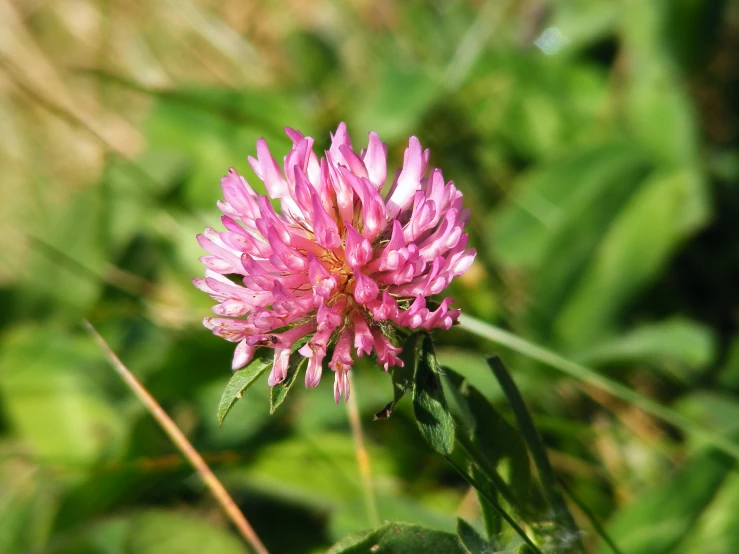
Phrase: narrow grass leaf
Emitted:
{"points": [[563, 518], [494, 504], [588, 375], [477, 424], [593, 519], [499, 441]]}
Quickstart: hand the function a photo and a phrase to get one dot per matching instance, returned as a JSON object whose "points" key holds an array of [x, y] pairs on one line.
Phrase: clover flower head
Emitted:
{"points": [[344, 259]]}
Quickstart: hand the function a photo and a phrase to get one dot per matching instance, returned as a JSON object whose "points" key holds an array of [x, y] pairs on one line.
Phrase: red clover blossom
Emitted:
{"points": [[343, 261]]}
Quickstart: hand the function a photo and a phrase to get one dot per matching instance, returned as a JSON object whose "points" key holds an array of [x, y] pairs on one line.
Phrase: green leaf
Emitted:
{"points": [[657, 106], [729, 375], [718, 524], [210, 114], [667, 208], [279, 392], [566, 203], [715, 410], [394, 101], [656, 521], [566, 534], [317, 470], [399, 537], [681, 347], [457, 402], [501, 443], [72, 245], [25, 508], [499, 440], [586, 374], [55, 407], [484, 433], [471, 540], [556, 220], [493, 503], [240, 381], [429, 406], [160, 532]]}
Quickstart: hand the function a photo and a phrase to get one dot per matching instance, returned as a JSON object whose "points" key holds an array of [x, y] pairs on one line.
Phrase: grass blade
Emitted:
{"points": [[590, 376], [217, 489], [497, 507], [549, 483]]}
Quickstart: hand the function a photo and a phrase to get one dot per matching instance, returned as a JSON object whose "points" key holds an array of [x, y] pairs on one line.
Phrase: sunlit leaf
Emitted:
{"points": [[501, 443], [399, 537], [633, 251], [161, 532], [279, 392], [717, 525], [58, 411], [677, 346], [429, 406], [656, 521], [240, 382], [470, 539]]}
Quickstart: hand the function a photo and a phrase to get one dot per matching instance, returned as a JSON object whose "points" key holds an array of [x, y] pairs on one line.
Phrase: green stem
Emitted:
{"points": [[219, 492], [587, 375], [363, 460]]}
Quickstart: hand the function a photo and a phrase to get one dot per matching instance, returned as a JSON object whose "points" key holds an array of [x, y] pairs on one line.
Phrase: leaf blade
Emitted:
{"points": [[239, 382], [400, 537], [278, 394], [429, 406], [471, 540]]}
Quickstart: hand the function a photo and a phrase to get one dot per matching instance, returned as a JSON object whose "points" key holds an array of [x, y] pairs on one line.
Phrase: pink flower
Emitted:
{"points": [[343, 260]]}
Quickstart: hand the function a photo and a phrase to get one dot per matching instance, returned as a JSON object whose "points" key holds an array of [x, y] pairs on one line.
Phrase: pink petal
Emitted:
{"points": [[375, 160], [409, 180], [279, 369], [358, 249], [362, 336], [341, 385], [342, 357], [243, 355], [324, 228], [268, 171], [315, 368], [366, 289]]}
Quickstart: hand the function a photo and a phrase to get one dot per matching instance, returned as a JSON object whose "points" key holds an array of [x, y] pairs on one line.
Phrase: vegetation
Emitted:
{"points": [[595, 143]]}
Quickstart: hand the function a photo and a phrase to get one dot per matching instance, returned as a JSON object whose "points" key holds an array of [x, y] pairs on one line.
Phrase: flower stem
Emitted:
{"points": [[217, 489], [592, 377], [363, 460]]}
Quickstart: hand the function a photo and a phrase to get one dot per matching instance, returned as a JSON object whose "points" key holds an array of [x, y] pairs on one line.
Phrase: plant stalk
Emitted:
{"points": [[363, 460], [216, 488]]}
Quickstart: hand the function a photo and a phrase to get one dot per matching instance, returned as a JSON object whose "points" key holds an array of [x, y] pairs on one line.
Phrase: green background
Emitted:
{"points": [[595, 142]]}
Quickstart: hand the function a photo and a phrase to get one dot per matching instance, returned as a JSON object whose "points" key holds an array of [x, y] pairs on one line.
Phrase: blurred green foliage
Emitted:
{"points": [[596, 144]]}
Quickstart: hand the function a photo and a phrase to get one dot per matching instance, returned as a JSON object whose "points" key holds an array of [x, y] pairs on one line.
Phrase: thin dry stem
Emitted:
{"points": [[363, 460], [178, 438]]}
